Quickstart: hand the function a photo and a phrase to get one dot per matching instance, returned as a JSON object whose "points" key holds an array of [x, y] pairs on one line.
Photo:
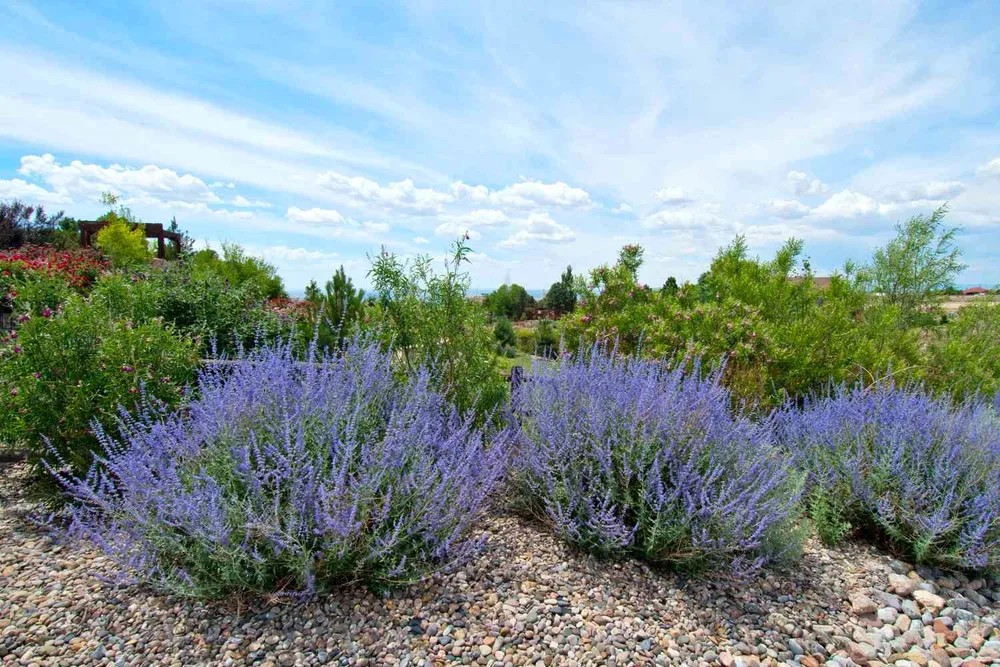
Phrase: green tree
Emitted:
{"points": [[20, 224], [312, 293], [503, 331], [670, 287], [921, 262], [561, 296], [509, 301], [337, 311]]}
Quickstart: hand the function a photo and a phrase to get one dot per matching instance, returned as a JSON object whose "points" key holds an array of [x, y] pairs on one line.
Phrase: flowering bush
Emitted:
{"points": [[897, 463], [218, 316], [77, 268], [290, 476], [63, 369], [624, 456]]}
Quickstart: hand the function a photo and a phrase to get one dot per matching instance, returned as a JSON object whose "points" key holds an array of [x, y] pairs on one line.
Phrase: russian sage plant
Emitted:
{"points": [[896, 462], [290, 476], [624, 456]]}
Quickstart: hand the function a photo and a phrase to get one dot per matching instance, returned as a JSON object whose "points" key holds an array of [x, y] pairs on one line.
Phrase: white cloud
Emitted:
{"points": [[801, 184], [672, 196], [539, 227], [420, 240], [243, 202], [220, 184], [851, 204], [279, 253], [785, 208], [315, 216], [399, 195], [933, 191], [622, 208], [688, 219], [991, 168], [523, 195], [482, 217], [30, 193], [151, 182], [335, 225]]}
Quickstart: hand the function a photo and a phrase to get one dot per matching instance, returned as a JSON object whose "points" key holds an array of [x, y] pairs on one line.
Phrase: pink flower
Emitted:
{"points": [[46, 312], [13, 391]]}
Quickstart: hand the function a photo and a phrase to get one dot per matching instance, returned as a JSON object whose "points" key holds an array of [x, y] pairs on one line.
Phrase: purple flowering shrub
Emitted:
{"points": [[624, 456], [900, 464], [290, 476]]}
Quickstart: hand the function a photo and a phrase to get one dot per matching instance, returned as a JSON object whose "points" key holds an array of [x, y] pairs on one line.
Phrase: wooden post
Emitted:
{"points": [[160, 247]]}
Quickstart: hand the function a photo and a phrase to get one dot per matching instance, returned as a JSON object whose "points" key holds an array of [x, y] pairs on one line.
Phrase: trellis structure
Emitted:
{"points": [[153, 230]]}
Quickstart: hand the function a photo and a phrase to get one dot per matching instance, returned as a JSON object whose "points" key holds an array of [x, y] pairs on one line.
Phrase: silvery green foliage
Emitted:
{"points": [[900, 463], [625, 456], [289, 476]]}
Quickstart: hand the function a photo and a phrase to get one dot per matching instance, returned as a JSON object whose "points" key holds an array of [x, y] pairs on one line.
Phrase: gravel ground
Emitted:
{"points": [[526, 600]]}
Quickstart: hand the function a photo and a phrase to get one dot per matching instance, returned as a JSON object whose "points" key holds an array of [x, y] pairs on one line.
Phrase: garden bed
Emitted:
{"points": [[525, 598]]}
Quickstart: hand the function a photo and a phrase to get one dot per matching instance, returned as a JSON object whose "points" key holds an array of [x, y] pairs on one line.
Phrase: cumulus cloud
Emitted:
{"points": [[284, 253], [524, 195], [243, 202], [78, 179], [539, 227], [456, 225], [689, 219], [31, 193], [801, 184], [933, 191], [672, 196], [404, 195], [220, 184], [785, 208], [851, 204], [622, 208], [420, 240], [334, 224], [991, 168]]}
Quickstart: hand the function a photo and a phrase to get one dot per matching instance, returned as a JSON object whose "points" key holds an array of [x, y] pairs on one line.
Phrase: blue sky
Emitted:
{"points": [[554, 133]]}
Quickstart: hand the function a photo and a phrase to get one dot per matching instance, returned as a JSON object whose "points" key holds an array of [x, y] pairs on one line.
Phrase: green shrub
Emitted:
{"points": [[238, 269], [526, 340], [546, 339], [779, 335], [503, 331], [218, 316], [123, 241], [964, 355], [59, 374], [429, 320]]}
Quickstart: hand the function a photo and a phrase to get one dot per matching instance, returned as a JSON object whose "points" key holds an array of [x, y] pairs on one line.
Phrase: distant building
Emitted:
{"points": [[975, 291]]}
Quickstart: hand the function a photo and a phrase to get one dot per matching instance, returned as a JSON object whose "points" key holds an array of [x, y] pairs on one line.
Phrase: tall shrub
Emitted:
{"points": [[899, 464], [290, 476], [429, 320], [63, 371], [625, 456]]}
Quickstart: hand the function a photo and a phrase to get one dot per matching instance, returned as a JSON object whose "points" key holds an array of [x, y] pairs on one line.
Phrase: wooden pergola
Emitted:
{"points": [[88, 230]]}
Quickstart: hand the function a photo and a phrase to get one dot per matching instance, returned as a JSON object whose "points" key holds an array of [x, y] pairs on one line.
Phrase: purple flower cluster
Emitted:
{"points": [[288, 476], [626, 456], [898, 463]]}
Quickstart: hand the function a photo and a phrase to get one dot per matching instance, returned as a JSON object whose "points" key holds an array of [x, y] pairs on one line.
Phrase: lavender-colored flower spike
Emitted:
{"points": [[899, 462], [289, 475], [625, 456]]}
